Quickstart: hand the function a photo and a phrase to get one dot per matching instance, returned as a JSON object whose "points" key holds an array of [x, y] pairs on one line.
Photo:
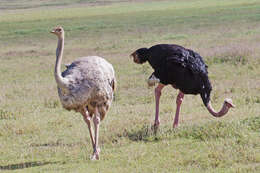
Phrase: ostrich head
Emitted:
{"points": [[58, 31], [140, 55]]}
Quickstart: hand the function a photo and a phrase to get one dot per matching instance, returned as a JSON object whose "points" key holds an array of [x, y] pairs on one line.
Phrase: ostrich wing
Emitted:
{"points": [[190, 60]]}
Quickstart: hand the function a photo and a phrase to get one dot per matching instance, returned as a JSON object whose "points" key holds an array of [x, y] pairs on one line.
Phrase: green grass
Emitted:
{"points": [[38, 135], [27, 4]]}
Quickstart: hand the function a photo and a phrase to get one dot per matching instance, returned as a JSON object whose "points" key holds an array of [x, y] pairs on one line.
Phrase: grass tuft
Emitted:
{"points": [[4, 114], [252, 123], [207, 132], [231, 59], [52, 104], [145, 133]]}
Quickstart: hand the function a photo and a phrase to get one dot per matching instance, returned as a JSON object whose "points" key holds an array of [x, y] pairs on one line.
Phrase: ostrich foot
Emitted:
{"points": [[155, 126], [175, 125], [95, 155]]}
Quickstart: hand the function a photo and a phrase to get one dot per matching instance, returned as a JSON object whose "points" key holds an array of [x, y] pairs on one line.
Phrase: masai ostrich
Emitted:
{"points": [[86, 86], [182, 68]]}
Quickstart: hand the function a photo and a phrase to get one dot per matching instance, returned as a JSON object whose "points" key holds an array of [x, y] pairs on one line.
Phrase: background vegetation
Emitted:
{"points": [[37, 135]]}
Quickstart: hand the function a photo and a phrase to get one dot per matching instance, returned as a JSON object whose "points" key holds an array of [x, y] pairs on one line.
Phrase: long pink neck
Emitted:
{"points": [[226, 106], [61, 82]]}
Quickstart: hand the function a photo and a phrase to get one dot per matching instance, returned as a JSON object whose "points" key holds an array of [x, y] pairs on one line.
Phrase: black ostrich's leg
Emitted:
{"points": [[157, 93], [178, 103]]}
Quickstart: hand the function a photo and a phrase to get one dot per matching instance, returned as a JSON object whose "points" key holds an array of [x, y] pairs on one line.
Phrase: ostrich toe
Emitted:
{"points": [[175, 125], [95, 155], [155, 126]]}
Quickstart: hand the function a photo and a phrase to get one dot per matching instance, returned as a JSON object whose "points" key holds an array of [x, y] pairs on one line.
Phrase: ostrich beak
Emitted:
{"points": [[229, 102], [132, 55], [53, 31]]}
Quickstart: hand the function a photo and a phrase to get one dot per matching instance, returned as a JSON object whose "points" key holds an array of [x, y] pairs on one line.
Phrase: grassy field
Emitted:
{"points": [[38, 135]]}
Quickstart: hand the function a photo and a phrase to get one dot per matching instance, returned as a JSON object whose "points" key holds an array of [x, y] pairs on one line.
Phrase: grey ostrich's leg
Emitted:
{"points": [[87, 119], [157, 93], [96, 121], [178, 103]]}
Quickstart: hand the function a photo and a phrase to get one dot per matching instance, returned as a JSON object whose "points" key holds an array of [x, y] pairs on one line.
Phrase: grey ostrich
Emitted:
{"points": [[86, 86]]}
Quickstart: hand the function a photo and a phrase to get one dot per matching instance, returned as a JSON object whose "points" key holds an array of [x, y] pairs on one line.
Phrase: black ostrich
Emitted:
{"points": [[182, 68]]}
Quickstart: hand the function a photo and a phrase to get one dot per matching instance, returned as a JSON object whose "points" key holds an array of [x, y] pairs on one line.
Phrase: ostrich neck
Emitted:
{"points": [[61, 82], [222, 112]]}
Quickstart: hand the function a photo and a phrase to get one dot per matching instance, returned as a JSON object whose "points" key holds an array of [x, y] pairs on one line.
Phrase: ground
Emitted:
{"points": [[38, 135]]}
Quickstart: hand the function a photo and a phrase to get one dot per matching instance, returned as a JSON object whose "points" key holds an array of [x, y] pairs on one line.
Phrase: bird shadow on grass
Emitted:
{"points": [[25, 165], [56, 143], [208, 131], [145, 133]]}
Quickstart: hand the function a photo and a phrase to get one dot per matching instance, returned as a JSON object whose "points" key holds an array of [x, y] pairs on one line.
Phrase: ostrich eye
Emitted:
{"points": [[58, 30]]}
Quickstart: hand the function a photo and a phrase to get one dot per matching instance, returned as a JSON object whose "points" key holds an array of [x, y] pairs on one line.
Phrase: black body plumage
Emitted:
{"points": [[180, 67]]}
